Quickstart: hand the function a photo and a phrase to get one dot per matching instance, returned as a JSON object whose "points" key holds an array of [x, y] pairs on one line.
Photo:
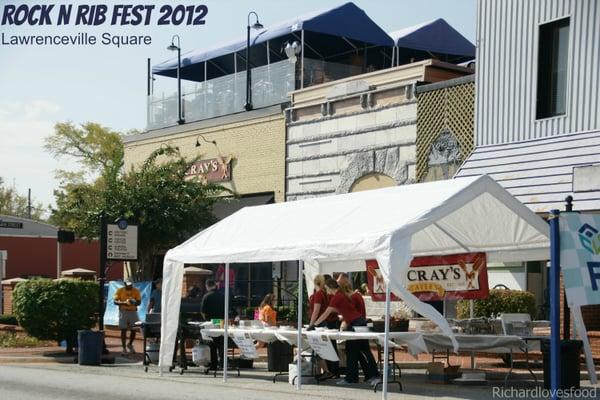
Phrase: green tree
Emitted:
{"points": [[15, 204], [55, 310], [167, 206]]}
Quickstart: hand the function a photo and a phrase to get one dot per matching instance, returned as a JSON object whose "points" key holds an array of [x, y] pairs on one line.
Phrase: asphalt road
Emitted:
{"points": [[119, 382]]}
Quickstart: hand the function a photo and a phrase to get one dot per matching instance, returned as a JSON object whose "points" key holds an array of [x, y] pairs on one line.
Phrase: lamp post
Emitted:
{"points": [[257, 25], [173, 47]]}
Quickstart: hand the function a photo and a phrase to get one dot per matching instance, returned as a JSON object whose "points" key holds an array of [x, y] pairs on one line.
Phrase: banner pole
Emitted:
{"points": [[554, 303]]}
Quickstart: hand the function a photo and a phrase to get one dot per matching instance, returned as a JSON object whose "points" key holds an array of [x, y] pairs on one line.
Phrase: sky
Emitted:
{"points": [[42, 85]]}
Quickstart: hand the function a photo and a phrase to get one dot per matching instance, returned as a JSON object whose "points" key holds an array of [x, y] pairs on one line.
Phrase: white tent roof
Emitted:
{"points": [[391, 225]]}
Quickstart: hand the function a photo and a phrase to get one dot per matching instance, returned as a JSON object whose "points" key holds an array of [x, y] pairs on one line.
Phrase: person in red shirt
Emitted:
{"points": [[342, 304], [318, 303]]}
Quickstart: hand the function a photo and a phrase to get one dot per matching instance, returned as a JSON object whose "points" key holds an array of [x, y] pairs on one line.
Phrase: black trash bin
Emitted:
{"points": [[280, 355], [570, 351], [90, 347]]}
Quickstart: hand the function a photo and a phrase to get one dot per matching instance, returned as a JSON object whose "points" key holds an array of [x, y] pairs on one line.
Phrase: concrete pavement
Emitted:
{"points": [[127, 382]]}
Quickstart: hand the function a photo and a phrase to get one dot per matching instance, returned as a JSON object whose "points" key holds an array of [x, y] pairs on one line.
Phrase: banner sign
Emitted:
{"points": [[246, 345], [212, 170], [434, 278], [580, 257], [111, 312], [322, 346]]}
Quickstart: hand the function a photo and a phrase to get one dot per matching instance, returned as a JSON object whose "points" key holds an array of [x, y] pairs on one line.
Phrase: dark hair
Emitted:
{"points": [[331, 284], [210, 283], [268, 300], [327, 276]]}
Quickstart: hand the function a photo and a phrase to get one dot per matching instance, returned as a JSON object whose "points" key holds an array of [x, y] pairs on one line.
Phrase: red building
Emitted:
{"points": [[31, 251]]}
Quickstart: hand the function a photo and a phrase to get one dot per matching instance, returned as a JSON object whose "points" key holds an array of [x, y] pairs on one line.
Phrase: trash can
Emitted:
{"points": [[90, 347], [279, 355], [570, 351]]}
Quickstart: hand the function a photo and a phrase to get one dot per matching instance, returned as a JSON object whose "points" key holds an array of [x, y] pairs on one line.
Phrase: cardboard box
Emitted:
{"points": [[438, 373]]}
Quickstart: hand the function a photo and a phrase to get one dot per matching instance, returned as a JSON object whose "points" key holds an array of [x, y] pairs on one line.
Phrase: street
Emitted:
{"points": [[65, 381]]}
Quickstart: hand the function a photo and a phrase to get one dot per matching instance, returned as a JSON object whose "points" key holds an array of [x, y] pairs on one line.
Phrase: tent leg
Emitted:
{"points": [[226, 324], [386, 342], [299, 336]]}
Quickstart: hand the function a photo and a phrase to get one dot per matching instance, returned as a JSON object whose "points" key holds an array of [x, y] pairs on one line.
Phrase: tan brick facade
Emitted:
{"points": [[257, 146]]}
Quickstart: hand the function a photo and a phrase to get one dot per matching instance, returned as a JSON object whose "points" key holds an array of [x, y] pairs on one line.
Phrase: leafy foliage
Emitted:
{"points": [[12, 340], [499, 301], [55, 310], [15, 204], [8, 319], [167, 206]]}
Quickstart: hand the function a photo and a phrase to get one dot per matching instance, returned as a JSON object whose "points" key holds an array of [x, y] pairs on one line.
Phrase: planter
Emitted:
{"points": [[395, 325]]}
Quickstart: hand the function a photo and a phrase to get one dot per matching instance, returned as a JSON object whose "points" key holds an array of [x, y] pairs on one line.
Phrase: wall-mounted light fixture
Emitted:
{"points": [[198, 144]]}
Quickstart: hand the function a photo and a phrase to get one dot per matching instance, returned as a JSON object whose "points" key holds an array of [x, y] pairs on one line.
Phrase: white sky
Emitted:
{"points": [[40, 86]]}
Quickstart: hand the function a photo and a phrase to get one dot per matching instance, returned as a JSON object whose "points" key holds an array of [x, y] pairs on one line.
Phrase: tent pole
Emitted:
{"points": [[299, 335], [386, 341], [226, 324]]}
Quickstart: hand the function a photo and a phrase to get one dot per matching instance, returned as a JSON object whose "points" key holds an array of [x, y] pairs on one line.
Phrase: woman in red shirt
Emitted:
{"points": [[318, 303], [342, 305]]}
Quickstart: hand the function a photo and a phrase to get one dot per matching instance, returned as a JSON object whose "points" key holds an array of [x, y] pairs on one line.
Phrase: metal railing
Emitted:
{"points": [[224, 95]]}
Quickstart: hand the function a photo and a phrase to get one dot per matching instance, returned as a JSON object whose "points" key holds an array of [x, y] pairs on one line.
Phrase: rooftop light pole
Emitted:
{"points": [[257, 25], [173, 47]]}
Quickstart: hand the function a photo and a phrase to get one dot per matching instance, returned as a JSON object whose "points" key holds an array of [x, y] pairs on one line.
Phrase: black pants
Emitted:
{"points": [[333, 366], [359, 351], [216, 352]]}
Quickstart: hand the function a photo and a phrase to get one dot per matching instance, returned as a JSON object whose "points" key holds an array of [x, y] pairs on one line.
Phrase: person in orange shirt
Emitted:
{"points": [[266, 310], [127, 298]]}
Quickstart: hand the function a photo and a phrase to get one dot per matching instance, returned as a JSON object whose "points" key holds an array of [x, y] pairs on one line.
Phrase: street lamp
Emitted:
{"points": [[257, 25], [172, 47]]}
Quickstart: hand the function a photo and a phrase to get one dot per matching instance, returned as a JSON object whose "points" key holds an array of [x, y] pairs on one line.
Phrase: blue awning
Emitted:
{"points": [[436, 37], [346, 22]]}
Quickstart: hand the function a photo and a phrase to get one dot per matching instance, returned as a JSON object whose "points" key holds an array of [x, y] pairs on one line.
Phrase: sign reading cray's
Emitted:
{"points": [[212, 170], [450, 277]]}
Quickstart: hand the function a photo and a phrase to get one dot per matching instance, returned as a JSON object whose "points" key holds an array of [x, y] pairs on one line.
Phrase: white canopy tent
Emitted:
{"points": [[391, 225]]}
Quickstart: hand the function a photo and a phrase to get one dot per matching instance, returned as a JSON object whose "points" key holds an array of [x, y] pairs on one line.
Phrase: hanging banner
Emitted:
{"points": [[111, 312], [434, 278], [580, 267], [246, 345], [580, 257], [322, 346]]}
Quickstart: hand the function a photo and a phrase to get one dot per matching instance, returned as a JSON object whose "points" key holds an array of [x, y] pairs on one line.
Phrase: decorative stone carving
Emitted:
{"points": [[444, 157], [385, 161]]}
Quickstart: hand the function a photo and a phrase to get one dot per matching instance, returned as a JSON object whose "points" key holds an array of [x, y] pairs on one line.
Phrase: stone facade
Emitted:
{"points": [[366, 126], [254, 140]]}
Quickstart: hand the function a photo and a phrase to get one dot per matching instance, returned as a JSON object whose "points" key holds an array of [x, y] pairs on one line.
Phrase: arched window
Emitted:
{"points": [[372, 181]]}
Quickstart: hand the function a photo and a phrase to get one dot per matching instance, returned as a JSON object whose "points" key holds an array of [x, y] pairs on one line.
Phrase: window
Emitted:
{"points": [[553, 50]]}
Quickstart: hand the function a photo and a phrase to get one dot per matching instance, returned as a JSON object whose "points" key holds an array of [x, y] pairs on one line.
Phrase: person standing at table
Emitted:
{"points": [[318, 303], [127, 298], [342, 305], [213, 307], [266, 310]]}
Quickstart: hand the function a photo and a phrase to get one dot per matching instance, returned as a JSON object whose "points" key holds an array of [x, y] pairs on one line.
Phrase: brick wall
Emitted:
{"points": [[256, 144], [591, 319], [7, 299]]}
